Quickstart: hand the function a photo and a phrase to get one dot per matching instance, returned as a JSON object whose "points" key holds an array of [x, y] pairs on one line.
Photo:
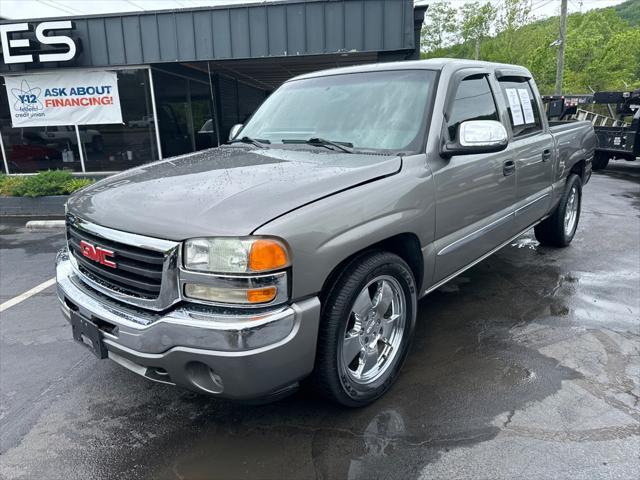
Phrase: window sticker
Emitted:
{"points": [[514, 104], [526, 105]]}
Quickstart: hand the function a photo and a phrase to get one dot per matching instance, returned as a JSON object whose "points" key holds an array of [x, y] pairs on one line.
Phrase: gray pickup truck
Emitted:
{"points": [[300, 249]]}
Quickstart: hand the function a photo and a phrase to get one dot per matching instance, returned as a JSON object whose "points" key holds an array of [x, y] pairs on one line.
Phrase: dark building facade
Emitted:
{"points": [[185, 77]]}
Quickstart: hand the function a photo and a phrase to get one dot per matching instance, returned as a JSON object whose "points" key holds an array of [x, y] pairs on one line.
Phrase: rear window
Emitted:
{"points": [[522, 105]]}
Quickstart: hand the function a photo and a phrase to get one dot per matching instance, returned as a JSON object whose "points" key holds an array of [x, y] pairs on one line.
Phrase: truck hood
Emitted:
{"points": [[230, 190]]}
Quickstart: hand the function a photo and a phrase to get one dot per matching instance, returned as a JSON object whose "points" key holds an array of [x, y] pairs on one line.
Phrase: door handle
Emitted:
{"points": [[508, 168], [546, 155]]}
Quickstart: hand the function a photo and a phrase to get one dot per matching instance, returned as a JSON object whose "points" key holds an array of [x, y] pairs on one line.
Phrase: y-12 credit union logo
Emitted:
{"points": [[27, 98]]}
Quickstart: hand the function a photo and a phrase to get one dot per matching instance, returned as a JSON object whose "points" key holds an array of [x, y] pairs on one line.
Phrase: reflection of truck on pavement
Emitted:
{"points": [[618, 133]]}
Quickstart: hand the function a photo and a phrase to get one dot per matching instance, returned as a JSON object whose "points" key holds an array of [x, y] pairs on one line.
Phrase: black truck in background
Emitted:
{"points": [[618, 134]]}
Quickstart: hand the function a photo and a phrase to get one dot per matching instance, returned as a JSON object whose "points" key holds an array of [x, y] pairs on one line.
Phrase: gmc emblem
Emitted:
{"points": [[97, 254]]}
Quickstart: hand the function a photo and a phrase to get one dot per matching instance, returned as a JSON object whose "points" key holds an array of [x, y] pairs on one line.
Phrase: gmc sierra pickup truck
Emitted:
{"points": [[301, 248]]}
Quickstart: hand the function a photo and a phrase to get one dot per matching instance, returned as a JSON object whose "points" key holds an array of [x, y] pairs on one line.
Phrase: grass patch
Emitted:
{"points": [[50, 182], [8, 184]]}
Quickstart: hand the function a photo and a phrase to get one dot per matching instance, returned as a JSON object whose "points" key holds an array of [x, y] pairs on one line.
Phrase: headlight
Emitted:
{"points": [[234, 255], [235, 271]]}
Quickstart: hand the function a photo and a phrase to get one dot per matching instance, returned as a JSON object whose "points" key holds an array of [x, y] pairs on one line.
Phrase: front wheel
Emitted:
{"points": [[366, 328], [559, 229]]}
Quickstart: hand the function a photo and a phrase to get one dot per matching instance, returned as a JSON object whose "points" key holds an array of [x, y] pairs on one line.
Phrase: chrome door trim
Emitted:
{"points": [[529, 204], [475, 234]]}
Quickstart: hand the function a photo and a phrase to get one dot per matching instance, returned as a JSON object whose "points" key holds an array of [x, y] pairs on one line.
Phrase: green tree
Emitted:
{"points": [[629, 11], [440, 23], [477, 20], [512, 15], [588, 61], [602, 48]]}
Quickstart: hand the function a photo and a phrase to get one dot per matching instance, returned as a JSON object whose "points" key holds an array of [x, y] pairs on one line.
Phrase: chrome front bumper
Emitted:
{"points": [[233, 354]]}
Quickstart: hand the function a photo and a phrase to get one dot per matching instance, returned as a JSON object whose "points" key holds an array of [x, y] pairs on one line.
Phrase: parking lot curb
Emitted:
{"points": [[49, 206], [45, 224]]}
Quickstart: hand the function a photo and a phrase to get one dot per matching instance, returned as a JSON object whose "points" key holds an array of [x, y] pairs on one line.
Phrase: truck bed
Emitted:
{"points": [[557, 126]]}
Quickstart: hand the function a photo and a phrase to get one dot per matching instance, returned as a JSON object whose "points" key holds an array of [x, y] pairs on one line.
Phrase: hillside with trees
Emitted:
{"points": [[602, 46], [629, 11]]}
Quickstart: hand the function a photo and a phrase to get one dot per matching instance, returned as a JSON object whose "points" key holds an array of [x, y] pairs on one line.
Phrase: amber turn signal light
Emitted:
{"points": [[267, 255], [261, 295]]}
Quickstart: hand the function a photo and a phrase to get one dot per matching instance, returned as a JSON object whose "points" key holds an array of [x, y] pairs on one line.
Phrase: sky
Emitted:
{"points": [[24, 9]]}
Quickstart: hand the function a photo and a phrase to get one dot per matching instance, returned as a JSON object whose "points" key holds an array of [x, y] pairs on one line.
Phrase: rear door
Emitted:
{"points": [[532, 149], [475, 193]]}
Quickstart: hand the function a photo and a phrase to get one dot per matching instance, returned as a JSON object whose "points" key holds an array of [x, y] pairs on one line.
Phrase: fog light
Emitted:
{"points": [[204, 377]]}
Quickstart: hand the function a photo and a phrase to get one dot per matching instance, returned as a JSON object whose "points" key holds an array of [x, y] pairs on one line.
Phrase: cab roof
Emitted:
{"points": [[451, 64]]}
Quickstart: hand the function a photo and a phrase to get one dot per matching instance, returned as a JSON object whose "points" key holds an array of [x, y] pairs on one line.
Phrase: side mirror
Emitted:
{"points": [[235, 130], [477, 136]]}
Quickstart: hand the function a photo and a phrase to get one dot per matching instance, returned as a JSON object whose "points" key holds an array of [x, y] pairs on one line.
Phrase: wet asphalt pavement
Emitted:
{"points": [[526, 366]]}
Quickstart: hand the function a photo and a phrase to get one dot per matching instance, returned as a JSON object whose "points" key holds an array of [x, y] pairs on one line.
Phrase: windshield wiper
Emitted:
{"points": [[346, 147], [253, 141]]}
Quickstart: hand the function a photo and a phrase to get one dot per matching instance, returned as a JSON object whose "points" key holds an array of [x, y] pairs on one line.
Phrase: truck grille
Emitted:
{"points": [[137, 271]]}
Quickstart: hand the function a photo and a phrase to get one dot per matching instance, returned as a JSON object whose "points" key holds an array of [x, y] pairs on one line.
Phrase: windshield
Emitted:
{"points": [[371, 110]]}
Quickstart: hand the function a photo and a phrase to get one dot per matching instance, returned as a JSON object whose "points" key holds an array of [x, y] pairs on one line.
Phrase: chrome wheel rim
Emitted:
{"points": [[374, 330], [571, 212]]}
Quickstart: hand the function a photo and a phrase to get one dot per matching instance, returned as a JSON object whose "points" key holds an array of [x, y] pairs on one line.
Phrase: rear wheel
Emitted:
{"points": [[366, 328], [600, 161], [559, 229]]}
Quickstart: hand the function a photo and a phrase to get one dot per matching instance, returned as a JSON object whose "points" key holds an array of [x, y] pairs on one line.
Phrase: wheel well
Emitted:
{"points": [[579, 169], [405, 245]]}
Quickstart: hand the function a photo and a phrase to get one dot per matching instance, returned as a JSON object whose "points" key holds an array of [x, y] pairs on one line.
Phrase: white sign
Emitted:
{"points": [[64, 98], [526, 106], [42, 28], [514, 104]]}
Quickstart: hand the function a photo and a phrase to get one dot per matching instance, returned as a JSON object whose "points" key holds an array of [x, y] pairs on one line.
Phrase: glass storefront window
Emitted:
{"points": [[184, 114], [113, 147], [172, 105], [184, 117], [201, 108], [110, 147], [30, 150]]}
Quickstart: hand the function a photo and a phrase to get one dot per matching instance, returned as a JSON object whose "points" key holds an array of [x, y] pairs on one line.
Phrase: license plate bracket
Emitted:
{"points": [[88, 334]]}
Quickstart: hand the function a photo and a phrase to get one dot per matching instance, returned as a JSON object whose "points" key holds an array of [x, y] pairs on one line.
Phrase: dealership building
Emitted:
{"points": [[99, 94]]}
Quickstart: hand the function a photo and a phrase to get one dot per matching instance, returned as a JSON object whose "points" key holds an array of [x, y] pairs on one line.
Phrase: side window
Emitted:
{"points": [[522, 105], [473, 101]]}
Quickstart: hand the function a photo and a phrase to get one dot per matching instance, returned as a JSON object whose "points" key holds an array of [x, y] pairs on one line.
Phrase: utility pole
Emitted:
{"points": [[563, 30]]}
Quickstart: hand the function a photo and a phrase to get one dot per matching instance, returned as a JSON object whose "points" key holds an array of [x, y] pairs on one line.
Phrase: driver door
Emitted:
{"points": [[475, 194]]}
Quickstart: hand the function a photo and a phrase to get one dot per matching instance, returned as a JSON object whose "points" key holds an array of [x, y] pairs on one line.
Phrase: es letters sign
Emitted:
{"points": [[64, 98], [13, 49]]}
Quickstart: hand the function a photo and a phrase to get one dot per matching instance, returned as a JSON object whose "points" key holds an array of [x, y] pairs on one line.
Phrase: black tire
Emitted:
{"points": [[600, 161], [552, 231], [330, 376]]}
